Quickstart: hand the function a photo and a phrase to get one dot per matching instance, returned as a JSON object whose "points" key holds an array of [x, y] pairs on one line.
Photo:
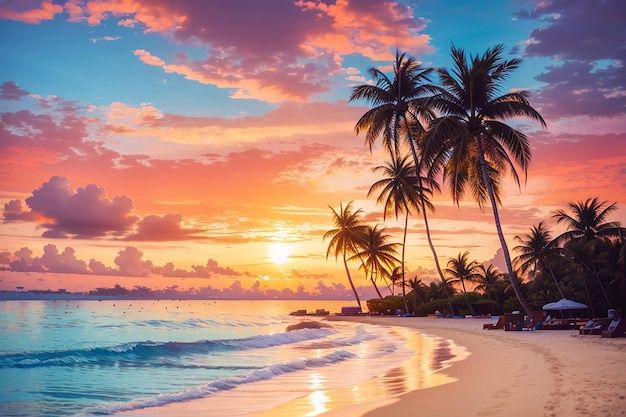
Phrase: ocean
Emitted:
{"points": [[82, 358]]}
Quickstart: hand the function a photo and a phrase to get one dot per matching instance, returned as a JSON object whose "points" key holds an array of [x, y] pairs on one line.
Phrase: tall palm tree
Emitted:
{"points": [[345, 238], [588, 221], [377, 254], [398, 106], [460, 270], [470, 142], [535, 249], [398, 194]]}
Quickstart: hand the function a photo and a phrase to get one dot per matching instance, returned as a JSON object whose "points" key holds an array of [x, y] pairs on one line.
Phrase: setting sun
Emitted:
{"points": [[279, 253]]}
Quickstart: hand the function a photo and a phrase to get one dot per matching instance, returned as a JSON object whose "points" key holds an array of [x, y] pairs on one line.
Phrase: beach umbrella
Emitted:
{"points": [[565, 304]]}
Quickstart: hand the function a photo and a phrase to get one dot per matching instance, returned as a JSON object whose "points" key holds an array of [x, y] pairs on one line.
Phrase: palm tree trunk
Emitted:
{"points": [[406, 224], [496, 217], [469, 306], [356, 294], [606, 298], [416, 161], [375, 286], [553, 278]]}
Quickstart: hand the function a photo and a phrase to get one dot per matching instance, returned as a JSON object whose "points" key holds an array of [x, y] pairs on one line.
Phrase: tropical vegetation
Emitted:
{"points": [[457, 132]]}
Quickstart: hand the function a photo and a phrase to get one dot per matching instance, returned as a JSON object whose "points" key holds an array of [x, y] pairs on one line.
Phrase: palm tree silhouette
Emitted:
{"points": [[398, 194], [376, 254], [536, 248], [588, 221], [345, 238], [470, 142], [490, 282], [398, 106], [460, 270]]}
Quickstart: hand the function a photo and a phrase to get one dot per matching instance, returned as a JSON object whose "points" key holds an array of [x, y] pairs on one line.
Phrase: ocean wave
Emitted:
{"points": [[139, 352], [225, 384], [360, 337]]}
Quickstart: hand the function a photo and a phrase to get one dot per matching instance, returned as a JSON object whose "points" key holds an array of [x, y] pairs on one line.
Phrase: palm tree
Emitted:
{"points": [[460, 269], [490, 282], [346, 237], [470, 142], [399, 104], [376, 254], [536, 248], [397, 191], [588, 221]]}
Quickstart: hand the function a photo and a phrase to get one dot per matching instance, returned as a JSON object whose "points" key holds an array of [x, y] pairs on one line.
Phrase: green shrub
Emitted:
{"points": [[388, 305]]}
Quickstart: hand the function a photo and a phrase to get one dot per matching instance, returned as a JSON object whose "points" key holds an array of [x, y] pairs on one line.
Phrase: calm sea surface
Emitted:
{"points": [[61, 358]]}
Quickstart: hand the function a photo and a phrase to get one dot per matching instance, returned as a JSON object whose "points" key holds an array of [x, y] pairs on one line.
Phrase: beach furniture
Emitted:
{"points": [[595, 326], [617, 328], [298, 313], [497, 322], [350, 311], [513, 321]]}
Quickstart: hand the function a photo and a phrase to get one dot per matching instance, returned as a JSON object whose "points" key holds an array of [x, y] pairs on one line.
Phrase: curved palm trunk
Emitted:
{"points": [[375, 286], [356, 295], [406, 224], [423, 208], [556, 284], [496, 217]]}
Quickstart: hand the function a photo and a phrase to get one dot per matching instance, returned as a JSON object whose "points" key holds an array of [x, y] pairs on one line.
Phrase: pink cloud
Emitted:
{"points": [[29, 11], [129, 262], [163, 228], [51, 261], [85, 212], [10, 91], [273, 50], [15, 211]]}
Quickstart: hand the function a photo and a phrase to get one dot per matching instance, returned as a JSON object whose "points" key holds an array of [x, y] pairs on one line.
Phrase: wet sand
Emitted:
{"points": [[516, 374]]}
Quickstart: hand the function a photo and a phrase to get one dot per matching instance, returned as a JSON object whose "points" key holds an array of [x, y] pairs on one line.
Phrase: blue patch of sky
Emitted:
{"points": [[59, 58]]}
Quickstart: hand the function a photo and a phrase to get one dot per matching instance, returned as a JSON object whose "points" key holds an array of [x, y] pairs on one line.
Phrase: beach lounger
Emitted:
{"points": [[595, 327], [497, 322], [617, 328]]}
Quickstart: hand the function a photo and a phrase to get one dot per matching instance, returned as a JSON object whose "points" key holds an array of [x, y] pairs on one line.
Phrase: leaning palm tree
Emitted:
{"points": [[376, 254], [399, 106], [398, 194], [588, 221], [470, 143], [345, 238], [535, 250]]}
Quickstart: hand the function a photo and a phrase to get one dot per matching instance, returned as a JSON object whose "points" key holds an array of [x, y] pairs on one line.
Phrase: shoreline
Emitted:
{"points": [[515, 374]]}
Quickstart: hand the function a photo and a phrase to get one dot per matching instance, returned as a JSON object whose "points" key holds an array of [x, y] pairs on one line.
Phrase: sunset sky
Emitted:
{"points": [[199, 144]]}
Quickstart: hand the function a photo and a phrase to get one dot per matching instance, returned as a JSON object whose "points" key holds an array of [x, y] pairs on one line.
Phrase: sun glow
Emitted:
{"points": [[279, 253]]}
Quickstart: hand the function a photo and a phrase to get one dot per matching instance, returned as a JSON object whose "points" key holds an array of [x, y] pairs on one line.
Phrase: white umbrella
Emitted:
{"points": [[565, 304]]}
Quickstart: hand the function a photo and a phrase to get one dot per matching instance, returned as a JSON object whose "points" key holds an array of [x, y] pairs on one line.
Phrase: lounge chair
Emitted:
{"points": [[497, 322], [617, 328], [595, 326]]}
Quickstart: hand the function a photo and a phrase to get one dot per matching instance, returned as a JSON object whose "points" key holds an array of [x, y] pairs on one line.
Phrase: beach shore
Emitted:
{"points": [[538, 373]]}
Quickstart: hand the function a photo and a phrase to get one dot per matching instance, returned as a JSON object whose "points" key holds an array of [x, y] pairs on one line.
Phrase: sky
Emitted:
{"points": [[199, 144]]}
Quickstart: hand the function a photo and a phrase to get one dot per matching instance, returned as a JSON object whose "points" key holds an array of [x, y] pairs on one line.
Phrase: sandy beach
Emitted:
{"points": [[539, 373]]}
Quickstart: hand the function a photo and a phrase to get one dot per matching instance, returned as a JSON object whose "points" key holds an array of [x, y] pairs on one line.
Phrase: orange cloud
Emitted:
{"points": [[46, 10]]}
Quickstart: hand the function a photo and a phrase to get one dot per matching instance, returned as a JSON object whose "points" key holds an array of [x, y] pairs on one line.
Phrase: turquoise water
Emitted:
{"points": [[62, 358]]}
